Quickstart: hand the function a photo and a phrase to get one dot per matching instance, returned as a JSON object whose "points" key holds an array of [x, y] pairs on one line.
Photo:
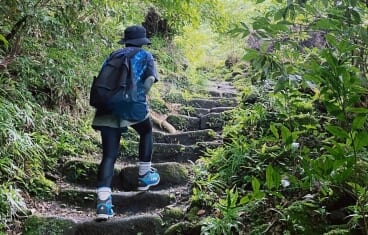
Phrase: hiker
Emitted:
{"points": [[111, 126]]}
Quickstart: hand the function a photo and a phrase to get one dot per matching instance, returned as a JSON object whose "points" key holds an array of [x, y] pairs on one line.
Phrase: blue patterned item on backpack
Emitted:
{"points": [[114, 86]]}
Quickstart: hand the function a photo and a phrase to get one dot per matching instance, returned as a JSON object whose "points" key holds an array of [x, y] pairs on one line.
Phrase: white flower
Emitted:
{"points": [[285, 183]]}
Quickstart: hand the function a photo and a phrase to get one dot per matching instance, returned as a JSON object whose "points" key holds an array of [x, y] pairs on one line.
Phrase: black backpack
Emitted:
{"points": [[114, 84]]}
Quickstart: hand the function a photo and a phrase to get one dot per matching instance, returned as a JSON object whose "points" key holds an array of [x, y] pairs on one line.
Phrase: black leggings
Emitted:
{"points": [[111, 147]]}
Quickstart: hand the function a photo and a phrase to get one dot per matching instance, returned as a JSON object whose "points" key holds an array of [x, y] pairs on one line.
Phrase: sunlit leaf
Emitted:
{"points": [[337, 131], [255, 184], [274, 130], [361, 140], [359, 121]]}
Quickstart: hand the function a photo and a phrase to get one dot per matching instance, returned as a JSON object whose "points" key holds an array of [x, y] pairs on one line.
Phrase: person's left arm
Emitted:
{"points": [[150, 73]]}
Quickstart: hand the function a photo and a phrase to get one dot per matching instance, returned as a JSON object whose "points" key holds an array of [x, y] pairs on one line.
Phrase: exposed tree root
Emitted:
{"points": [[162, 123]]}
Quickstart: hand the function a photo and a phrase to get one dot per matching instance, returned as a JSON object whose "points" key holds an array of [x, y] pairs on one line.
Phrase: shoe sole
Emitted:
{"points": [[145, 188], [103, 217]]}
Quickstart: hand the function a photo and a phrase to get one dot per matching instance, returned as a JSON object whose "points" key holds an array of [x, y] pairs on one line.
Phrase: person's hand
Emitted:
{"points": [[148, 83]]}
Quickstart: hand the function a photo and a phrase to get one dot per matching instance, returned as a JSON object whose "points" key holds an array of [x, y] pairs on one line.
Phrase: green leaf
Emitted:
{"points": [[279, 27], [333, 109], [273, 177], [245, 29], [356, 16], [359, 121], [244, 200], [274, 130], [286, 135], [361, 140], [260, 23], [327, 23], [330, 58], [4, 41], [258, 195], [251, 55], [357, 110], [337, 131], [255, 185], [269, 179]]}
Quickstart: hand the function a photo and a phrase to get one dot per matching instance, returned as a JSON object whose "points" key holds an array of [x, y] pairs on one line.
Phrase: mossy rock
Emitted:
{"points": [[146, 224], [46, 226], [215, 121], [186, 138], [170, 174], [183, 123], [80, 198], [82, 172], [172, 214], [193, 112], [212, 103], [175, 152], [183, 228]]}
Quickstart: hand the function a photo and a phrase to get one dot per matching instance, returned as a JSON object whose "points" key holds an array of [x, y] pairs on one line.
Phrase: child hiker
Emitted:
{"points": [[112, 126]]}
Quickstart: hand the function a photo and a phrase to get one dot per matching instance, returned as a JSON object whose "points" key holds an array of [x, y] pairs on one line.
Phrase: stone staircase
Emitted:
{"points": [[199, 123]]}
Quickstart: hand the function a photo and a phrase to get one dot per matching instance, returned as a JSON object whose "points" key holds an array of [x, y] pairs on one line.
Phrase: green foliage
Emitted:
{"points": [[11, 204], [311, 129], [226, 222], [35, 225], [190, 13]]}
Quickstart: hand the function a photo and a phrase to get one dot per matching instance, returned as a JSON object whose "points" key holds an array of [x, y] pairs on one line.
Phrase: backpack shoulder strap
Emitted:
{"points": [[118, 53]]}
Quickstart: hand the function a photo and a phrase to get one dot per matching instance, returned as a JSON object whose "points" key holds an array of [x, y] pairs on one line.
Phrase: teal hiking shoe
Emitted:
{"points": [[151, 178], [104, 209]]}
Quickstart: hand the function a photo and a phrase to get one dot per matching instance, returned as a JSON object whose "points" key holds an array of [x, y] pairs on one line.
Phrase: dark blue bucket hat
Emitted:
{"points": [[135, 35]]}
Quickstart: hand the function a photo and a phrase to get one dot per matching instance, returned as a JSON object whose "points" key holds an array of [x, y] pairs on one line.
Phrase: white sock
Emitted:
{"points": [[143, 167], [103, 193]]}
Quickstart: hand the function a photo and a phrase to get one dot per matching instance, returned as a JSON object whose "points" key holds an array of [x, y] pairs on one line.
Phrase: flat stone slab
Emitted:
{"points": [[200, 112], [214, 121], [221, 89], [46, 225], [185, 138], [143, 224], [220, 109], [171, 174], [193, 112], [183, 122], [212, 102], [123, 201], [181, 153], [84, 173]]}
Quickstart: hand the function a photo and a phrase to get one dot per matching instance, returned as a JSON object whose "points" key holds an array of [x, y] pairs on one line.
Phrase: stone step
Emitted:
{"points": [[142, 224], [168, 222], [214, 121], [219, 93], [199, 112], [221, 89], [82, 172], [133, 202], [212, 102], [183, 122], [170, 152], [185, 138], [132, 225], [181, 153]]}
